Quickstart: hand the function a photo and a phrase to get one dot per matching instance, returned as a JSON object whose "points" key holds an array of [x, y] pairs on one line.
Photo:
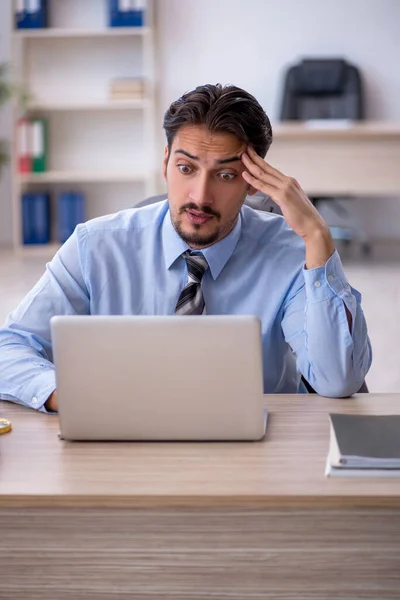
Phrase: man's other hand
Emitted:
{"points": [[51, 403]]}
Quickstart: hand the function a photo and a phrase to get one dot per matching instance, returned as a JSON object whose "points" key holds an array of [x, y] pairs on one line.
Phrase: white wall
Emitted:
{"points": [[249, 43]]}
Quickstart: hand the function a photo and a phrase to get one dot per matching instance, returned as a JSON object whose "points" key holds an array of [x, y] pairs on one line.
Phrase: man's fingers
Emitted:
{"points": [[263, 164], [259, 172], [262, 186]]}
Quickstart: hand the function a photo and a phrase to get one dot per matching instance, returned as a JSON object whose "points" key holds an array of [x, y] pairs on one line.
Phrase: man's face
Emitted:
{"points": [[205, 187]]}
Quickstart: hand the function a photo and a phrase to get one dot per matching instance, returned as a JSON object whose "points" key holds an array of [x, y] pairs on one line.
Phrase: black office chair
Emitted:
{"points": [[322, 89], [325, 89], [258, 201]]}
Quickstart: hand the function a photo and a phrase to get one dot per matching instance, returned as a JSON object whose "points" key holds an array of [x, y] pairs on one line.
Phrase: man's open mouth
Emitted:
{"points": [[197, 217]]}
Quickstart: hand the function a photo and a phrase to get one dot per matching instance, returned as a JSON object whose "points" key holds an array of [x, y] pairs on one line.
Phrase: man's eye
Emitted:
{"points": [[227, 176], [185, 169]]}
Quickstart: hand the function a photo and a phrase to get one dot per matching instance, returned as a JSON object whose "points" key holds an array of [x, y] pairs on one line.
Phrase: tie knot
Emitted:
{"points": [[197, 265]]}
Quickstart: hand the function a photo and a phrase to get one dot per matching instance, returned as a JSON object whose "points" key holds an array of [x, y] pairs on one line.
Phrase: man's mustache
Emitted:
{"points": [[205, 209]]}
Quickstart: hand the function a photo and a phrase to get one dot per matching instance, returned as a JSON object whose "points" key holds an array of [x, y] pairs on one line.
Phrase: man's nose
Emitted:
{"points": [[201, 192]]}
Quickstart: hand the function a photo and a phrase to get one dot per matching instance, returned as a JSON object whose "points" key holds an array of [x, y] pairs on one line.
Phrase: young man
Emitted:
{"points": [[202, 251]]}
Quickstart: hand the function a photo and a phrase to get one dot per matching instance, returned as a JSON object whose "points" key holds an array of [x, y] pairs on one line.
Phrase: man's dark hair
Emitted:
{"points": [[221, 108]]}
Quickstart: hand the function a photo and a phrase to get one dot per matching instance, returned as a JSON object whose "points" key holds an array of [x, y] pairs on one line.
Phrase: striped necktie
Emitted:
{"points": [[191, 301]]}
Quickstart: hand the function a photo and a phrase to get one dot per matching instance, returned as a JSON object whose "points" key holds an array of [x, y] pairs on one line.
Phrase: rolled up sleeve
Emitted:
{"points": [[333, 359]]}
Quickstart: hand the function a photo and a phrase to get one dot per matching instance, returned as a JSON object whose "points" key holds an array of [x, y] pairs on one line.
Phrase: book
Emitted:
{"points": [[135, 84], [24, 146], [35, 218], [364, 445], [31, 14], [126, 13], [130, 88], [38, 130], [71, 212]]}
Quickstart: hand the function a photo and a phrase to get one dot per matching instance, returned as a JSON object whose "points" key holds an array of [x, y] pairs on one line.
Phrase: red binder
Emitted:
{"points": [[23, 146]]}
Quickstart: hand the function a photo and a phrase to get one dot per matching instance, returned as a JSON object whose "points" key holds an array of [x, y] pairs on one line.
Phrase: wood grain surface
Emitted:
{"points": [[163, 521], [198, 554], [285, 469]]}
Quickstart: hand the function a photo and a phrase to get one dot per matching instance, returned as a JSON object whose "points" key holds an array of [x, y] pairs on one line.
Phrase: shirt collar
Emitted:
{"points": [[217, 255]]}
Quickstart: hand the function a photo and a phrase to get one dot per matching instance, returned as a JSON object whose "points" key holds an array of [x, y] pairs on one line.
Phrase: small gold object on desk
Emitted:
{"points": [[5, 426]]}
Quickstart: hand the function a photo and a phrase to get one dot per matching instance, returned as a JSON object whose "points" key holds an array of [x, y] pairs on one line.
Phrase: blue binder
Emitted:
{"points": [[124, 18], [71, 212], [32, 16], [36, 218]]}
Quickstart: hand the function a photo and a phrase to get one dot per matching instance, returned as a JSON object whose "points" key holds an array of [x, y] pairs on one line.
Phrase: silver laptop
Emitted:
{"points": [[159, 378]]}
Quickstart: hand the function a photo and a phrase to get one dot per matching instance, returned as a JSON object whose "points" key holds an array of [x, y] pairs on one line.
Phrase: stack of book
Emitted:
{"points": [[32, 145], [30, 14], [364, 446], [127, 89]]}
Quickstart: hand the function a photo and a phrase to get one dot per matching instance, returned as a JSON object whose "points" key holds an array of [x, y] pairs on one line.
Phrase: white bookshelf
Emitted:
{"points": [[100, 146]]}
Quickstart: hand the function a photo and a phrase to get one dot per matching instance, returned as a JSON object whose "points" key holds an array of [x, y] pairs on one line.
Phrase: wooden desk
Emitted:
{"points": [[193, 521], [361, 160]]}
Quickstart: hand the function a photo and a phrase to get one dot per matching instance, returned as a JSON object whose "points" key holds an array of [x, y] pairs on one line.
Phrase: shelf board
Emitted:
{"points": [[84, 177], [354, 130], [46, 251], [90, 105], [79, 33]]}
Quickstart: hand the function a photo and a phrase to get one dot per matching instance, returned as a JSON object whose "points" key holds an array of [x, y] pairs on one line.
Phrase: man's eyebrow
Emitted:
{"points": [[222, 161], [228, 160], [186, 154]]}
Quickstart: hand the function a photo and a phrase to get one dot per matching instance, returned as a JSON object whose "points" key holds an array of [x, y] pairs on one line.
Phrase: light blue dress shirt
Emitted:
{"points": [[130, 263]]}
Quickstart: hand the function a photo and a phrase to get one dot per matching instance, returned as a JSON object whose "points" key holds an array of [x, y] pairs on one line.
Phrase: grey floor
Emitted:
{"points": [[378, 280]]}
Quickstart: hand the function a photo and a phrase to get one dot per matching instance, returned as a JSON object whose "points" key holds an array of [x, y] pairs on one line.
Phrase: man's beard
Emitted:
{"points": [[196, 238]]}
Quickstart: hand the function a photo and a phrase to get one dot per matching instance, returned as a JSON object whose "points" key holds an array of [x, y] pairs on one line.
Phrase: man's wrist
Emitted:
{"points": [[319, 247]]}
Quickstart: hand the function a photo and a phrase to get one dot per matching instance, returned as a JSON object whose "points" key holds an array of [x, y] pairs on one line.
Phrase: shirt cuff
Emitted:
{"points": [[39, 389], [325, 282]]}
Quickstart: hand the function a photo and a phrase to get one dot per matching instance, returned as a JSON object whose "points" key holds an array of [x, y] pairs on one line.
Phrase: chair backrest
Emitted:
{"points": [[322, 89]]}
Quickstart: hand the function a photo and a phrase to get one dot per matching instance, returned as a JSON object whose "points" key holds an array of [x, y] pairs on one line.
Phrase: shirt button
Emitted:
{"points": [[330, 278], [35, 400], [317, 283]]}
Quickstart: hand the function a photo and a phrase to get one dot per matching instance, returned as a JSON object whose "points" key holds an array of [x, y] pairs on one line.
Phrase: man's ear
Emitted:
{"points": [[165, 162], [251, 190]]}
